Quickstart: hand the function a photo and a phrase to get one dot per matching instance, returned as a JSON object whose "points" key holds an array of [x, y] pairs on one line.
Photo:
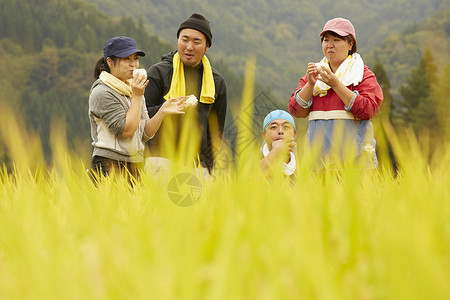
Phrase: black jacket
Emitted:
{"points": [[160, 78]]}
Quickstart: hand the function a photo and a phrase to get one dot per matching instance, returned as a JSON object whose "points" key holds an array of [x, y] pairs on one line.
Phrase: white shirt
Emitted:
{"points": [[288, 168]]}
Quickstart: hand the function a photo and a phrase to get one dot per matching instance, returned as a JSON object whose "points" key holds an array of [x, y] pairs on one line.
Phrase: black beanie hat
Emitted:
{"points": [[197, 22]]}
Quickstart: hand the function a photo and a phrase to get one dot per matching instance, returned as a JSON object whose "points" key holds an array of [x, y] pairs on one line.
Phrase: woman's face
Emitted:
{"points": [[335, 49], [123, 67]]}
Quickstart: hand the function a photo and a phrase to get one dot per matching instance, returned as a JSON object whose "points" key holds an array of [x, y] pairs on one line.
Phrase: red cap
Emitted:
{"points": [[341, 26]]}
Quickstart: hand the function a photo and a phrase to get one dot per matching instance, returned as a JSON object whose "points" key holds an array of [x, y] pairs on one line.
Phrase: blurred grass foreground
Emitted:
{"points": [[351, 235]]}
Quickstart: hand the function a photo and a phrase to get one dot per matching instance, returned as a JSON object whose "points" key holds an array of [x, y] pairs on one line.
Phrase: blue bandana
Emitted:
{"points": [[278, 114]]}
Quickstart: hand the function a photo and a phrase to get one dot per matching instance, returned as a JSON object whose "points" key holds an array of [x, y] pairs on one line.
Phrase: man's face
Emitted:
{"points": [[191, 46], [279, 129]]}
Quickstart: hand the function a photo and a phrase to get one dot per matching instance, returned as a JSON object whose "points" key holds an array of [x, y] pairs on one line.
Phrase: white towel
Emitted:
{"points": [[350, 72], [288, 168]]}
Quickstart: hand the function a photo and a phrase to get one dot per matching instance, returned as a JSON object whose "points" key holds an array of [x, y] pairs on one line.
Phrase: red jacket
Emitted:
{"points": [[365, 106]]}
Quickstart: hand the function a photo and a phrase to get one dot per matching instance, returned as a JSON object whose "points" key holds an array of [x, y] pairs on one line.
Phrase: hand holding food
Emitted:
{"points": [[322, 68], [190, 101], [139, 72], [139, 82]]}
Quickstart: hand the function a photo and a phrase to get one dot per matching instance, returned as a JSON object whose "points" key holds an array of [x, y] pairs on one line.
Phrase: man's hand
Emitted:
{"points": [[282, 146]]}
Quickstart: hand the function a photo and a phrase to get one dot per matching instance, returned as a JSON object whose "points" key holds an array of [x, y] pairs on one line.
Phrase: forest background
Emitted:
{"points": [[48, 49]]}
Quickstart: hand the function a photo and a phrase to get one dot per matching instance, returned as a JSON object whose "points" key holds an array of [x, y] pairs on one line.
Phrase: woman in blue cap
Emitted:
{"points": [[279, 134], [118, 116]]}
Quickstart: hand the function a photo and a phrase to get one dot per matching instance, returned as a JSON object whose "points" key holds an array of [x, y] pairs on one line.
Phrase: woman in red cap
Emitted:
{"points": [[340, 95], [119, 120]]}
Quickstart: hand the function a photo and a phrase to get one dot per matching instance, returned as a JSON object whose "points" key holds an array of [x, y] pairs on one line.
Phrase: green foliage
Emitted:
{"points": [[417, 106], [70, 24], [441, 97], [383, 81], [284, 34], [48, 49], [403, 50], [57, 89]]}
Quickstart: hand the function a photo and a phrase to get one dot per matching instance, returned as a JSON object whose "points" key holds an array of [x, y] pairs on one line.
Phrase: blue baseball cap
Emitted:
{"points": [[121, 46], [278, 114]]}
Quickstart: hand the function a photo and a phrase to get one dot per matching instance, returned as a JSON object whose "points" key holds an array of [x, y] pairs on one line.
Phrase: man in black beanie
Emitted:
{"points": [[186, 72]]}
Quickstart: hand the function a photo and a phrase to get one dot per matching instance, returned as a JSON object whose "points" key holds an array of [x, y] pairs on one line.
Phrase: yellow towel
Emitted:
{"points": [[178, 88], [123, 88]]}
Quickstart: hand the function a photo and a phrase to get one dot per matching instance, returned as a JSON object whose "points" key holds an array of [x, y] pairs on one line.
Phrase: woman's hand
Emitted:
{"points": [[328, 77], [133, 116], [312, 73], [138, 85], [173, 106]]}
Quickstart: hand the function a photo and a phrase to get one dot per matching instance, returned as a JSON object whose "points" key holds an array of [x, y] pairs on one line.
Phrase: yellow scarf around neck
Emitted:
{"points": [[178, 87], [123, 88]]}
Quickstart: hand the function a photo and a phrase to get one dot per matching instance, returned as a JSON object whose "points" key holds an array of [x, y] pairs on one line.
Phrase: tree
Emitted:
{"points": [[383, 81], [417, 106], [441, 95], [384, 150]]}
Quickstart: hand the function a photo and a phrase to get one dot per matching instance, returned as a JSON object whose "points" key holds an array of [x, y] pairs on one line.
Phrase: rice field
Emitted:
{"points": [[236, 235]]}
